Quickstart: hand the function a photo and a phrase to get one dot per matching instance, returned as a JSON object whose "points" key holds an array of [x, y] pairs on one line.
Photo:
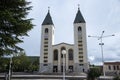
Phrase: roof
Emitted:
{"points": [[63, 44], [112, 63], [48, 20], [79, 18]]}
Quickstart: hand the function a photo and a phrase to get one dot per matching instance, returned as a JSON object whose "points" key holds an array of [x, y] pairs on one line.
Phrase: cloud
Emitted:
{"points": [[118, 55], [98, 18], [91, 58], [98, 60]]}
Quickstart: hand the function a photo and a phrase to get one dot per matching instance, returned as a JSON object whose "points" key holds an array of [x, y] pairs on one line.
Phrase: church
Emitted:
{"points": [[72, 57]]}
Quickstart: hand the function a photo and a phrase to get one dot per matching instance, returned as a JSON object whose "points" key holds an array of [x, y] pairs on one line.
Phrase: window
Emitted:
{"points": [[62, 48], [46, 38], [80, 64], [45, 53], [46, 30], [45, 49], [45, 64], [45, 42], [79, 28], [79, 33], [117, 67], [45, 45], [45, 60], [45, 57], [114, 67], [80, 52], [83, 70], [80, 48], [70, 54], [80, 56], [80, 60], [61, 68], [79, 41], [80, 45], [109, 67], [55, 54]]}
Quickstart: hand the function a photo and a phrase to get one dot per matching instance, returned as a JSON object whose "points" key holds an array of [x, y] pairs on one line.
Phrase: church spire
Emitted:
{"points": [[48, 19], [79, 18]]}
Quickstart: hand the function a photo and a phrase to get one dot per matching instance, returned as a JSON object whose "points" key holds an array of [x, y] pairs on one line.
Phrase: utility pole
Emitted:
{"points": [[101, 44]]}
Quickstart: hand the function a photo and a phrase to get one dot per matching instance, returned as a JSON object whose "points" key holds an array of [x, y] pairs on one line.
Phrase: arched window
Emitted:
{"points": [[62, 48], [79, 28], [55, 54], [46, 30], [70, 54]]}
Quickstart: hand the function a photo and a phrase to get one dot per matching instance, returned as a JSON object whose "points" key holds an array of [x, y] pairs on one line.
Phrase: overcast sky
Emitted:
{"points": [[99, 15]]}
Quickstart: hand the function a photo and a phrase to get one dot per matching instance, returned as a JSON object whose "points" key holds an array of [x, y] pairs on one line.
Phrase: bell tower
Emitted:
{"points": [[80, 46], [47, 40]]}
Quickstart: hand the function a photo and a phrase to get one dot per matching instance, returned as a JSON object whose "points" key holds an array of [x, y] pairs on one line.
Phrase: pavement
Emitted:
{"points": [[44, 77]]}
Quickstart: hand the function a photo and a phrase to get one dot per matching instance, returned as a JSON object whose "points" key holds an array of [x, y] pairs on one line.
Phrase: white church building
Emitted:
{"points": [[51, 55]]}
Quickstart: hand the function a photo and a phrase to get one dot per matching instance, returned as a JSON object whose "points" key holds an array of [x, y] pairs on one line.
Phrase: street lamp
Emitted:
{"points": [[101, 44], [10, 68], [63, 52]]}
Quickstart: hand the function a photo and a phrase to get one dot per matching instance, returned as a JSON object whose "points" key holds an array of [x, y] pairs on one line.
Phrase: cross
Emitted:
{"points": [[78, 6], [48, 9]]}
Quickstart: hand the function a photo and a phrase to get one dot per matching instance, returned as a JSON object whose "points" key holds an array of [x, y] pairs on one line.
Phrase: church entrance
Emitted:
{"points": [[55, 69], [71, 68]]}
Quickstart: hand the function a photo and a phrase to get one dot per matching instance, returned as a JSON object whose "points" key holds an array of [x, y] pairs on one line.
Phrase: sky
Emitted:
{"points": [[100, 15]]}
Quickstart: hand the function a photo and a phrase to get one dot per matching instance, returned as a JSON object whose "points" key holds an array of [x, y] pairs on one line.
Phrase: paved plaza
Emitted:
{"points": [[43, 77]]}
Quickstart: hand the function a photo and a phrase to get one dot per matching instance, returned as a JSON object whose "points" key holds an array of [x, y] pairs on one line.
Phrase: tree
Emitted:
{"points": [[20, 62], [4, 64], [13, 25], [34, 63], [93, 73], [116, 78]]}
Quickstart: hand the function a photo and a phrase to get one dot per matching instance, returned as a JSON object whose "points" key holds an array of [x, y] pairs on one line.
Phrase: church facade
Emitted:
{"points": [[51, 55]]}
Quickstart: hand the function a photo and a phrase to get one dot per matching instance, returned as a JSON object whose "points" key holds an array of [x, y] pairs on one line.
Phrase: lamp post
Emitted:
{"points": [[63, 52], [10, 69], [101, 44]]}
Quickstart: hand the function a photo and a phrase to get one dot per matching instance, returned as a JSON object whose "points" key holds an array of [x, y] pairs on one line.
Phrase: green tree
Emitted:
{"points": [[13, 25], [4, 64], [34, 63], [20, 62], [116, 78], [93, 73]]}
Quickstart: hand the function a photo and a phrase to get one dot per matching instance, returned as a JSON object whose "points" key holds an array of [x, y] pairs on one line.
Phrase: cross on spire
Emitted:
{"points": [[79, 18], [48, 9], [78, 6], [48, 19]]}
